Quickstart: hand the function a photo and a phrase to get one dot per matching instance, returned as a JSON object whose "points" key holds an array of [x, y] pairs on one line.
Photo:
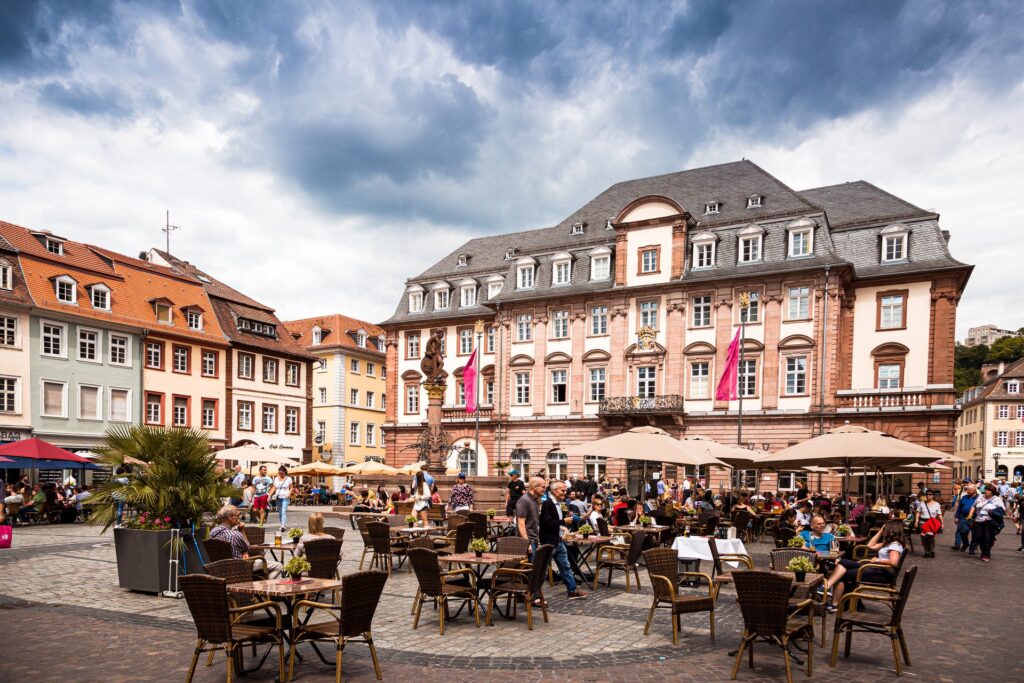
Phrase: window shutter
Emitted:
{"points": [[88, 397], [52, 398], [119, 405]]}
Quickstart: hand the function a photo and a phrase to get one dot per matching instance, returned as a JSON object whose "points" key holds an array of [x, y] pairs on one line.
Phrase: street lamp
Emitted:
{"points": [[995, 473]]}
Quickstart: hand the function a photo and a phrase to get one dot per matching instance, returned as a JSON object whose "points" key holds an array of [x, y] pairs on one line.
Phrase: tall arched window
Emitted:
{"points": [[468, 462], [557, 464], [520, 460]]}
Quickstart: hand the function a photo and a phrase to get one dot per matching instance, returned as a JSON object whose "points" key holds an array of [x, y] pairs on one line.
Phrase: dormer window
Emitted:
{"points": [[750, 245], [194, 319], [99, 296], [318, 336], [256, 327], [608, 224], [494, 286], [600, 263], [163, 313], [801, 237], [577, 229], [894, 243], [510, 253], [463, 260], [380, 347], [754, 201], [6, 274], [468, 295], [416, 301], [704, 250], [441, 299], [561, 268], [525, 273], [55, 246], [67, 292], [361, 339], [710, 208]]}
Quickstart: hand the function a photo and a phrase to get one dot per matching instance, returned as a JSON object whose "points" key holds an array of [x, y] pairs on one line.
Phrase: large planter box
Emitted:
{"points": [[142, 559]]}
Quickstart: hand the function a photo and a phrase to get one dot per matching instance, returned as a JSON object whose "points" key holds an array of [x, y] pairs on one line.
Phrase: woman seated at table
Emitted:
{"points": [[596, 513], [636, 511], [788, 519], [816, 538], [315, 532], [364, 503], [399, 495], [888, 542]]}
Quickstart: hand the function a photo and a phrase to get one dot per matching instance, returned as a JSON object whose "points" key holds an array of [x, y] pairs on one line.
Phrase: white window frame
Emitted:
{"points": [[801, 238], [202, 413], [370, 395], [799, 298], [54, 246], [490, 339], [204, 355], [465, 341], [15, 395], [353, 397], [111, 338], [648, 261], [371, 369], [354, 365], [559, 378], [754, 201], [195, 315], [598, 320], [63, 338], [13, 329], [711, 208], [412, 399], [561, 272], [322, 394], [354, 433], [702, 304], [245, 410], [6, 275], [600, 266], [753, 312], [1013, 387], [250, 360], [598, 384], [795, 375], [560, 324], [157, 307], [184, 353], [468, 295], [98, 417], [746, 380], [646, 381], [70, 282], [700, 380], [886, 383], [895, 240], [1003, 412], [268, 410], [704, 254], [891, 316], [524, 327], [100, 289], [371, 434], [442, 299], [128, 404], [292, 415], [318, 335], [494, 288], [97, 345], [525, 276], [412, 339], [1002, 438], [415, 302], [754, 242], [42, 398], [521, 389], [649, 314], [174, 411]]}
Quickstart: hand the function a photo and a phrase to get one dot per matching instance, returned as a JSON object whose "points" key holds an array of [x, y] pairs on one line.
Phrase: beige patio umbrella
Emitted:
{"points": [[369, 467], [734, 456], [251, 454], [412, 468], [316, 469]]}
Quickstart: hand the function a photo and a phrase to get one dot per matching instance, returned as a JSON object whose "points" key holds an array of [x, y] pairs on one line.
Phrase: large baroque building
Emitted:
{"points": [[622, 313]]}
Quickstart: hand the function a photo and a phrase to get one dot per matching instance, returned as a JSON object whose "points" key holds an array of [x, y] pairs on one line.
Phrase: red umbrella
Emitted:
{"points": [[37, 449], [3, 459]]}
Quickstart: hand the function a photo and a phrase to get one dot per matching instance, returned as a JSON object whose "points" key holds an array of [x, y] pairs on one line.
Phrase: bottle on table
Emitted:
{"points": [[686, 532]]}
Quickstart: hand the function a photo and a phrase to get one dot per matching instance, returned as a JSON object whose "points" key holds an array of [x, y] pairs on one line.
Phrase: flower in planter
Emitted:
{"points": [[295, 533], [410, 520], [296, 566], [479, 545], [645, 520], [797, 542], [492, 513], [586, 530], [800, 565], [844, 530]]}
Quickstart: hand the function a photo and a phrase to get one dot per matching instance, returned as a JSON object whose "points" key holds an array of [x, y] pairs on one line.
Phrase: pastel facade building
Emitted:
{"points": [[990, 429], [15, 355]]}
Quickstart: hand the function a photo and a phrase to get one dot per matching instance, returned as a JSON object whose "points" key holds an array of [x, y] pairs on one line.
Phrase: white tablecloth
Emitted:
{"points": [[696, 548]]}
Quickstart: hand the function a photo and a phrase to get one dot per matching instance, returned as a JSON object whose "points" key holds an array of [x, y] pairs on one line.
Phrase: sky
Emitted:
{"points": [[316, 154]]}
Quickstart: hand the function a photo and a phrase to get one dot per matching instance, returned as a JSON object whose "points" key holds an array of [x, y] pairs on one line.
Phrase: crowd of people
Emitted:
{"points": [[53, 502]]}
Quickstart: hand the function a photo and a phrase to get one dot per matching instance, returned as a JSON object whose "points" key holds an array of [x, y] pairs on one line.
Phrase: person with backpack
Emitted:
{"points": [[987, 515]]}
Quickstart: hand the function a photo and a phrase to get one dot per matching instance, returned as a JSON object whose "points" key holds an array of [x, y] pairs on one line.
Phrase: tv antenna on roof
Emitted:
{"points": [[167, 230]]}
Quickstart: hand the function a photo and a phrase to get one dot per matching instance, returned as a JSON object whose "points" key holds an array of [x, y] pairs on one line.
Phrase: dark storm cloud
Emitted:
{"points": [[86, 101]]}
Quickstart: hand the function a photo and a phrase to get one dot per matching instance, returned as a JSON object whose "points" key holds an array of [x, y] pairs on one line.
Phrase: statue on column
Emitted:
{"points": [[432, 364]]}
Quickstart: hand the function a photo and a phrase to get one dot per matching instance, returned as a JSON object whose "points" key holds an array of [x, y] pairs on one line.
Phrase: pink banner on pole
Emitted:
{"points": [[469, 382], [729, 384]]}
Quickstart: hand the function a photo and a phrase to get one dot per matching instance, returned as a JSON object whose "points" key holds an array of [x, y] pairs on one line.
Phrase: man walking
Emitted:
{"points": [[963, 527], [553, 523], [516, 488], [237, 480], [528, 513], [261, 495]]}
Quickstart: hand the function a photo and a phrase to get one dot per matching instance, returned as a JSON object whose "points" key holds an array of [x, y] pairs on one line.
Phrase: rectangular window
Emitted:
{"points": [[600, 268], [649, 314], [889, 376], [209, 368], [53, 339], [6, 276], [270, 418], [195, 320], [412, 399], [524, 327], [353, 396], [799, 303], [270, 370], [1020, 412], [155, 355], [465, 341], [88, 345], [704, 255], [490, 338], [1018, 439], [54, 399], [891, 315], [66, 291], [1003, 412], [560, 324], [646, 382], [119, 350], [700, 377], [522, 388], [8, 331], [209, 413], [494, 289], [246, 365], [649, 260], [354, 365], [291, 420], [1002, 438], [371, 369], [559, 386], [701, 311], [597, 380], [460, 393], [245, 409], [524, 275], [441, 300], [1013, 387], [748, 378], [894, 248], [323, 395], [89, 407], [796, 375], [800, 243], [100, 298], [154, 409], [369, 399], [179, 411], [353, 433], [599, 320], [371, 434], [753, 311], [292, 376], [412, 344], [8, 394], [415, 302], [468, 296], [182, 357], [750, 249], [561, 273], [489, 393], [120, 405], [164, 314], [55, 247]]}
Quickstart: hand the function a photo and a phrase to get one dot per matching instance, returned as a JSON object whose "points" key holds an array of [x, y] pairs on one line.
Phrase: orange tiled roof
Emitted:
{"points": [[76, 254], [336, 330]]}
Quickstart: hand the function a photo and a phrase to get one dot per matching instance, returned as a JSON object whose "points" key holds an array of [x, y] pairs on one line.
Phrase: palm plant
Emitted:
{"points": [[175, 475]]}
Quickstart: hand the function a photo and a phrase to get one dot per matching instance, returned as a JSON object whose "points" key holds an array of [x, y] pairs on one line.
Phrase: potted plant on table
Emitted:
{"points": [[585, 531], [295, 533], [492, 513], [800, 566], [173, 481], [411, 520], [295, 566], [797, 542], [645, 521], [844, 530], [479, 546]]}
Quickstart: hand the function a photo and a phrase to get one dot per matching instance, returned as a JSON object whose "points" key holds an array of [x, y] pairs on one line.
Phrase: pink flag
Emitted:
{"points": [[728, 385], [469, 381]]}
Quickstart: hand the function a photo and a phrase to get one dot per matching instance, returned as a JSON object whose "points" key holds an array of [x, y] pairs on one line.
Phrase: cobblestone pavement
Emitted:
{"points": [[59, 583]]}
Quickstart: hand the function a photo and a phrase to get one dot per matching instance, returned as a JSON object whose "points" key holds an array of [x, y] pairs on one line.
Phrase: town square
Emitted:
{"points": [[511, 341]]}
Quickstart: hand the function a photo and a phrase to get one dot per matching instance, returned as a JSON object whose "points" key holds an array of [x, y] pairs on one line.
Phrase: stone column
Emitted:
{"points": [[675, 329], [578, 387], [540, 370], [770, 371], [617, 365], [435, 398]]}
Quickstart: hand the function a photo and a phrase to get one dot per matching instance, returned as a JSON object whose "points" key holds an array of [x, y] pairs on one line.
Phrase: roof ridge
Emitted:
{"points": [[872, 186], [685, 170], [781, 184]]}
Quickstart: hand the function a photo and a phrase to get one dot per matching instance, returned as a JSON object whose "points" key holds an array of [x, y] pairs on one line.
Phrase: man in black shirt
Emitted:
{"points": [[516, 487]]}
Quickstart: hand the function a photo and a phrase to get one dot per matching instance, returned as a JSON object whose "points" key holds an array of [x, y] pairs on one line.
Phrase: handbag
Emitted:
{"points": [[6, 536]]}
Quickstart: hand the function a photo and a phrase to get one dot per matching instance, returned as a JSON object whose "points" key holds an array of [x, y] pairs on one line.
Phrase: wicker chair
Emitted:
{"points": [[323, 554], [512, 545], [256, 535], [526, 584], [422, 542], [218, 625], [350, 621], [602, 527], [782, 535], [383, 549], [454, 521], [890, 624], [782, 556], [335, 531], [717, 558], [361, 523], [741, 520], [625, 558], [433, 585], [463, 535], [893, 572], [217, 549], [768, 616], [663, 571], [479, 521]]}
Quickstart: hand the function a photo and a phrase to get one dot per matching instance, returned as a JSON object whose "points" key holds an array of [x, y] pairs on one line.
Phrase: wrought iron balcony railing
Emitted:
{"points": [[669, 404]]}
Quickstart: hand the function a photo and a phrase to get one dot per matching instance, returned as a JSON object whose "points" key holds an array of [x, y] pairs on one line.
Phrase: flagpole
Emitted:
{"points": [[744, 307], [479, 329]]}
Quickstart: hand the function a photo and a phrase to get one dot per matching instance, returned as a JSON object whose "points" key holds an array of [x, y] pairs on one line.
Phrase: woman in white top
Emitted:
{"points": [[316, 532], [596, 513], [421, 497], [890, 544], [282, 488], [987, 514], [929, 521]]}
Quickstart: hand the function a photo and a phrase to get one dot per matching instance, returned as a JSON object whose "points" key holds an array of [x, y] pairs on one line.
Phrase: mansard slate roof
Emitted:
{"points": [[849, 219], [995, 388]]}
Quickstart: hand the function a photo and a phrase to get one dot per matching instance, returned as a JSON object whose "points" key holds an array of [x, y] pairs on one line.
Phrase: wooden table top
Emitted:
{"points": [[654, 528], [851, 539], [290, 547], [579, 540], [810, 581], [283, 587], [486, 558]]}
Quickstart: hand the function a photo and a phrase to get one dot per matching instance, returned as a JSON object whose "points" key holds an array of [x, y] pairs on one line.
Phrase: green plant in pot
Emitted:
{"points": [[844, 530], [295, 533], [800, 566], [295, 566], [585, 530], [492, 513], [410, 520], [797, 542], [645, 521], [479, 546]]}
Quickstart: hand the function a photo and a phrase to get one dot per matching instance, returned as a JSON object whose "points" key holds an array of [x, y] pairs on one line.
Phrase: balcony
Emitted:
{"points": [[895, 400], [459, 414], [652, 410]]}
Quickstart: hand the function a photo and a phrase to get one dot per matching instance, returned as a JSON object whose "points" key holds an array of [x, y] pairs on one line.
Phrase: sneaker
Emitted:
{"points": [[1020, 549], [955, 547], [830, 608], [577, 595], [985, 558]]}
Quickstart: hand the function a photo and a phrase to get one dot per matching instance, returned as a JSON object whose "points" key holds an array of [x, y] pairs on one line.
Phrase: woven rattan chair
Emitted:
{"points": [[781, 557], [718, 558], [361, 523], [768, 616], [218, 625], [663, 570], [891, 624], [433, 585], [335, 531], [892, 572], [238, 571], [463, 535], [350, 621], [511, 545], [479, 521], [217, 549], [602, 527], [782, 535], [526, 584], [323, 554], [454, 521], [741, 520], [617, 557], [383, 549], [422, 542], [256, 535]]}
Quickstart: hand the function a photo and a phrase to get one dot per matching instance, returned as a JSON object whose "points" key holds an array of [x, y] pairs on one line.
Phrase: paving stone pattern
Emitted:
{"points": [[63, 580]]}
